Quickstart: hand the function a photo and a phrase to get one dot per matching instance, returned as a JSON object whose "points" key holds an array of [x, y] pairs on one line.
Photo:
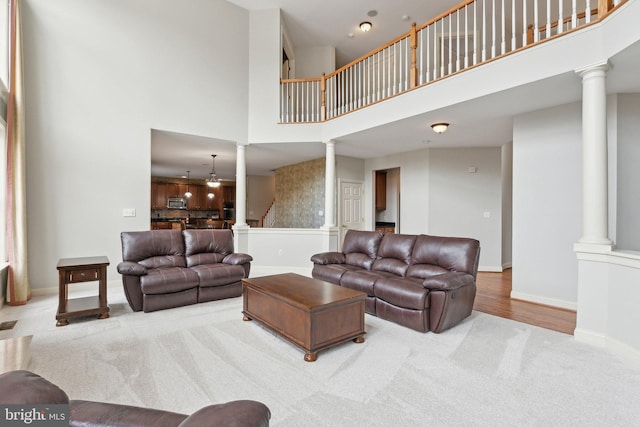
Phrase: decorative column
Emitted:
{"points": [[241, 186], [329, 186], [594, 155]]}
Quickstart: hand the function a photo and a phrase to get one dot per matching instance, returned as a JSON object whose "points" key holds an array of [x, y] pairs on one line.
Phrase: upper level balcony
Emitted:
{"points": [[463, 38]]}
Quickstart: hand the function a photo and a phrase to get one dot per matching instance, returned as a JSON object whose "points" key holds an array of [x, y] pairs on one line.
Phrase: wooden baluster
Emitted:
{"points": [[525, 32], [529, 33], [560, 15], [503, 42], [548, 27], [458, 40], [513, 25]]}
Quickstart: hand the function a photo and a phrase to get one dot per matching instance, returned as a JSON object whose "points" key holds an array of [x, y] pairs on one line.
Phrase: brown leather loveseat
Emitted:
{"points": [[26, 388], [418, 281], [171, 268]]}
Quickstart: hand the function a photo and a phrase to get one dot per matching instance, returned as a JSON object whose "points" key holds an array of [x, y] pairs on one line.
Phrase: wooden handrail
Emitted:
{"points": [[326, 111], [543, 28], [266, 213]]}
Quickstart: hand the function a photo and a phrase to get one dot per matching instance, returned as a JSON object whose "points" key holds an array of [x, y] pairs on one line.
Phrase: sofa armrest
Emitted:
{"points": [[239, 413], [131, 268], [84, 413], [448, 281], [329, 258], [237, 259]]}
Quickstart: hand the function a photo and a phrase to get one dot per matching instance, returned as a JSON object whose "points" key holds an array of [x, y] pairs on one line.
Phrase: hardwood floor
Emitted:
{"points": [[492, 297]]}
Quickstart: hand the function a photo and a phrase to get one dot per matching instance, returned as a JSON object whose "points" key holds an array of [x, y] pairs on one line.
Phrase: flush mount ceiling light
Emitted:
{"points": [[440, 127], [213, 181], [365, 26], [188, 193]]}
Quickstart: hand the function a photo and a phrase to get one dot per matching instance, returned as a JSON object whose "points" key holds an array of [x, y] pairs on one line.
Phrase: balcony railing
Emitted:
{"points": [[463, 37]]}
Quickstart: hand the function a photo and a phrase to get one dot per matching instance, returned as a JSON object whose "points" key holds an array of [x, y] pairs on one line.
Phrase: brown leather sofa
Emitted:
{"points": [[26, 388], [171, 268], [418, 281]]}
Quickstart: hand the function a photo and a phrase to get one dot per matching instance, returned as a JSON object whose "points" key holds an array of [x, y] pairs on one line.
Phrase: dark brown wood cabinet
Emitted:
{"points": [[158, 195], [381, 190]]}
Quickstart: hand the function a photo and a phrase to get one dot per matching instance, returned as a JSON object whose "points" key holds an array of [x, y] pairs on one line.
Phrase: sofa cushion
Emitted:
{"points": [[207, 246], [332, 273], [168, 280], [405, 292], [448, 253], [218, 274], [363, 280], [153, 249], [360, 247], [394, 253]]}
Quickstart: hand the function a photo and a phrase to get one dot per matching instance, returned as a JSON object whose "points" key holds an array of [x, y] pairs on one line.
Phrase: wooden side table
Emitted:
{"points": [[76, 270]]}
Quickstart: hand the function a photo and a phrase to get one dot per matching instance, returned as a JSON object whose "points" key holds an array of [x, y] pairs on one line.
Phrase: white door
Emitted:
{"points": [[351, 202]]}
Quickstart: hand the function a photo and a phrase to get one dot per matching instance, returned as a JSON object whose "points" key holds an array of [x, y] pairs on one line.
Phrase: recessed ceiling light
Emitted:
{"points": [[350, 35], [405, 17], [372, 13]]}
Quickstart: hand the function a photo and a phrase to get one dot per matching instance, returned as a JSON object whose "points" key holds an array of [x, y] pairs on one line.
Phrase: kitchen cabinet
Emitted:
{"points": [[176, 190], [198, 196], [158, 195], [161, 191], [229, 193], [381, 190]]}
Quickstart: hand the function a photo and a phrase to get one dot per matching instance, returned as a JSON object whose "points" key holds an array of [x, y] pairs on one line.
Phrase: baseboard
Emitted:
{"points": [[490, 269], [567, 305], [506, 265], [600, 340]]}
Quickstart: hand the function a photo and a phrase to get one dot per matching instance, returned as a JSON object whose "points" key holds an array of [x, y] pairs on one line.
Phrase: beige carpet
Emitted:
{"points": [[486, 371]]}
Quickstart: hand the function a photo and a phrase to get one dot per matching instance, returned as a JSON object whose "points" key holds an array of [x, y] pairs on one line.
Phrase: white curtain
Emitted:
{"points": [[18, 287]]}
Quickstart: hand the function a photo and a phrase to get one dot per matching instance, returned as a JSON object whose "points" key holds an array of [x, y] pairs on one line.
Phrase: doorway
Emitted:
{"points": [[387, 203]]}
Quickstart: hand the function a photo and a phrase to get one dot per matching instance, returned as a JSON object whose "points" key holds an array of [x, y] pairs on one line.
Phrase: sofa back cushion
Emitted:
{"points": [[154, 249], [361, 247], [394, 253], [207, 246], [436, 255]]}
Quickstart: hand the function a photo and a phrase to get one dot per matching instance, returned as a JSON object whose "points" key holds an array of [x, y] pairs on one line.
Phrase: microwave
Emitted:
{"points": [[176, 203]]}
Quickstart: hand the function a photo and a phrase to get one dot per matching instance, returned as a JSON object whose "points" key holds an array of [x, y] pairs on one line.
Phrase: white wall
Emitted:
{"points": [[414, 189], [628, 176], [311, 62], [547, 204], [459, 200], [99, 75], [261, 191], [349, 168], [507, 204]]}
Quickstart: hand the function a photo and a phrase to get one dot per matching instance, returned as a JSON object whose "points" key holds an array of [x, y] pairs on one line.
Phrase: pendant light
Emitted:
{"points": [[213, 181], [188, 193]]}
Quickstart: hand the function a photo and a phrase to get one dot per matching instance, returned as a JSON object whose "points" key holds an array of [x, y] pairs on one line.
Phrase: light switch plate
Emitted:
{"points": [[128, 212]]}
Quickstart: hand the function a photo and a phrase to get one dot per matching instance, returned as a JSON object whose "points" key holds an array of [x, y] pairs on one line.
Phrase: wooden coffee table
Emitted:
{"points": [[311, 314]]}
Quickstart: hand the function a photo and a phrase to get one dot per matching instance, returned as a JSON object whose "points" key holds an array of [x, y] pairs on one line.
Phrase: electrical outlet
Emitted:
{"points": [[128, 212], [487, 214]]}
